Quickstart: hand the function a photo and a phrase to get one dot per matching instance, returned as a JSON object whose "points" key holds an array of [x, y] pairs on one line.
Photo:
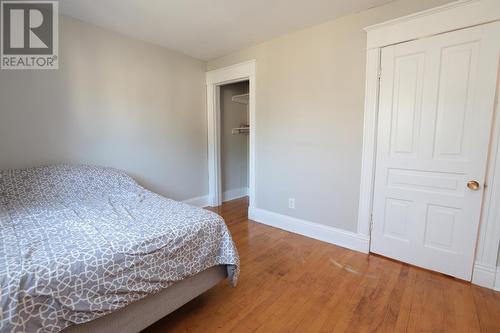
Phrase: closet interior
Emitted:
{"points": [[234, 139]]}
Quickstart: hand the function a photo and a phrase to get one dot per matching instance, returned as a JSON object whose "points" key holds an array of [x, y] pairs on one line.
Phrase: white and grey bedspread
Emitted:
{"points": [[78, 242]]}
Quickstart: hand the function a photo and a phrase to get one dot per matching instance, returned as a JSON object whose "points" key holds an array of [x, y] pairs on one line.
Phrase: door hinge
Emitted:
{"points": [[371, 222], [379, 74]]}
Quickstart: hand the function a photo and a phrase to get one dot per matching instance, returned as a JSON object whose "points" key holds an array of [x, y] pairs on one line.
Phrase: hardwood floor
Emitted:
{"points": [[291, 283]]}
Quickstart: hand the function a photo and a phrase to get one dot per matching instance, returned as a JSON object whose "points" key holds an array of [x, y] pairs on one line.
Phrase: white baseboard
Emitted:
{"points": [[198, 201], [235, 194], [497, 280], [318, 231], [485, 276], [205, 201]]}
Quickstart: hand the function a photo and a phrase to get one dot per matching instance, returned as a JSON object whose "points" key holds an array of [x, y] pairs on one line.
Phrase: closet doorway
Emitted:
{"points": [[231, 133], [234, 136]]}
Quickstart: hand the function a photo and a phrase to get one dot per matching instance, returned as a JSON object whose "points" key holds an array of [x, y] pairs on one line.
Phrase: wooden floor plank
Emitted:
{"points": [[291, 283]]}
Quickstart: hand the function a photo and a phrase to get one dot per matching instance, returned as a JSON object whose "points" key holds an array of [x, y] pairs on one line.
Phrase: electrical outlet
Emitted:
{"points": [[291, 203]]}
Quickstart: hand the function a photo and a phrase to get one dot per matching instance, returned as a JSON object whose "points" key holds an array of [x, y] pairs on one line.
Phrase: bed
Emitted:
{"points": [[86, 249]]}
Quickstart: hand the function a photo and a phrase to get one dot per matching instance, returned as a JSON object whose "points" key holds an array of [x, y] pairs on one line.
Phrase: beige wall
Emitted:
{"points": [[115, 101], [310, 95], [234, 148]]}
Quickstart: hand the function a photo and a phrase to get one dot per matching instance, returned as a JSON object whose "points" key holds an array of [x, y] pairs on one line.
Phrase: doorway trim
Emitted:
{"points": [[453, 16], [214, 79]]}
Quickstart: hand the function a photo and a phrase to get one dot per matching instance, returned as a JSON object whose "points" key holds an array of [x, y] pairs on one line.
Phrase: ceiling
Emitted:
{"points": [[206, 29]]}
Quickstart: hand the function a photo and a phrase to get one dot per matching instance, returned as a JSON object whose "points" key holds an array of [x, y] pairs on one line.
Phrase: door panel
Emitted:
{"points": [[457, 82], [397, 212], [435, 115], [408, 100]]}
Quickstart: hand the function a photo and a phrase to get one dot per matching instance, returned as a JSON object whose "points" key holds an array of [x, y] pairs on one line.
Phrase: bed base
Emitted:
{"points": [[139, 315]]}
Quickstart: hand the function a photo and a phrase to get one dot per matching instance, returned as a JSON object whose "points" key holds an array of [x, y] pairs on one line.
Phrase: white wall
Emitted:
{"points": [[115, 101], [234, 148], [309, 118]]}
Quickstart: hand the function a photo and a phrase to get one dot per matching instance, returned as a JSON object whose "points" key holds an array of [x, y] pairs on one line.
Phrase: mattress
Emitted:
{"points": [[80, 242]]}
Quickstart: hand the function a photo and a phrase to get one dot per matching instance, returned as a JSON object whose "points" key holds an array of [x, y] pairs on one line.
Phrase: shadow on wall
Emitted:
{"points": [[115, 102]]}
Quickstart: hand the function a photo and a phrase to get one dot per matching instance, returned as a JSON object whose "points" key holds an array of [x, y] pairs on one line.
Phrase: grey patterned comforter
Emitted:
{"points": [[78, 242]]}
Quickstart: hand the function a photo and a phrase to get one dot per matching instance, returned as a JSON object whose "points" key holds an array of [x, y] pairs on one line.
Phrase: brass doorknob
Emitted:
{"points": [[473, 185]]}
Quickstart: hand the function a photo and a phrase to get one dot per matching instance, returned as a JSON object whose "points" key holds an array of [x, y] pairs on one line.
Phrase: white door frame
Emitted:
{"points": [[215, 78], [453, 16]]}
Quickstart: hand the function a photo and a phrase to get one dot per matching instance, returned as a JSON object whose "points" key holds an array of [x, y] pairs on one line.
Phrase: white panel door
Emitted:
{"points": [[435, 118]]}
